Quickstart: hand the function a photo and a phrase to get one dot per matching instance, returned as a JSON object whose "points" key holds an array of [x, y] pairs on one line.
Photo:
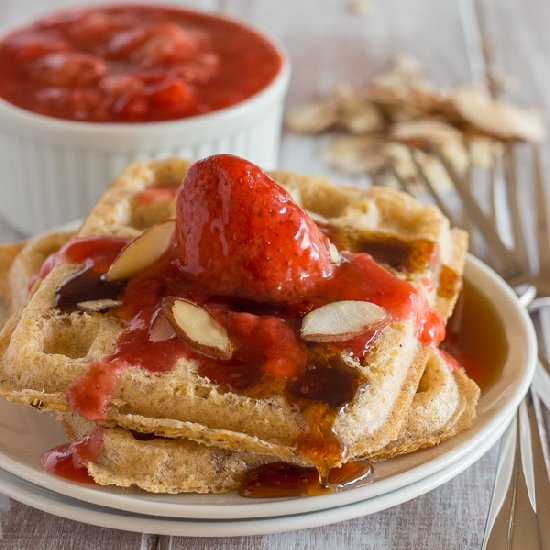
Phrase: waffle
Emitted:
{"points": [[8, 253], [27, 263], [444, 405], [357, 218]]}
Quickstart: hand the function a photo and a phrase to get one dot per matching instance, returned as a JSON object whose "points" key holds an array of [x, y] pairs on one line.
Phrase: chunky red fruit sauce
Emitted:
{"points": [[133, 64], [94, 253], [69, 460], [155, 193], [251, 257]]}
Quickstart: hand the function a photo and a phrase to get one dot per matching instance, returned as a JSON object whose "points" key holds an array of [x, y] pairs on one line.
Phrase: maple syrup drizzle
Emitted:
{"points": [[322, 390], [404, 256], [326, 379], [83, 286], [449, 282]]}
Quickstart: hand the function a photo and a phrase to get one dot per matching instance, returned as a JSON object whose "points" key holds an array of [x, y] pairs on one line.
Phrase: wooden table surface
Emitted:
{"points": [[329, 44]]}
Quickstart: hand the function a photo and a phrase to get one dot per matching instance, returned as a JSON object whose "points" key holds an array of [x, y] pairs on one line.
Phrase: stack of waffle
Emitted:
{"points": [[179, 431]]}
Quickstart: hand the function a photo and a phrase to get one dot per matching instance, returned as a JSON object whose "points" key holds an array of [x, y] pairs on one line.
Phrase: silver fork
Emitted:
{"points": [[519, 515]]}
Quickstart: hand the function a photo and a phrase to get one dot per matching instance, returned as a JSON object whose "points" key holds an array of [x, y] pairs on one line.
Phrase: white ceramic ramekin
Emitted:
{"points": [[54, 170]]}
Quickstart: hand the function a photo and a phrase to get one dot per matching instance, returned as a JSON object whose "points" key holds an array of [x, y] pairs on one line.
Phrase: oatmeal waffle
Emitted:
{"points": [[27, 263], [8, 253], [444, 405], [162, 465], [361, 217]]}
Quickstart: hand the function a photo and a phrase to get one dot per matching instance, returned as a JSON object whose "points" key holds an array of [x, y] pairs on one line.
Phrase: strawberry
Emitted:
{"points": [[166, 43], [28, 46], [172, 98], [69, 69], [240, 233]]}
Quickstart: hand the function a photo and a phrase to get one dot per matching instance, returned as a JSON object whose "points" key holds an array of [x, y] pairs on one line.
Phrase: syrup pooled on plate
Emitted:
{"points": [[476, 337]]}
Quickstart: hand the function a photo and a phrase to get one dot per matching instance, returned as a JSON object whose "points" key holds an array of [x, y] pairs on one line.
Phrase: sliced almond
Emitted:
{"points": [[402, 106], [317, 218], [161, 329], [334, 254], [198, 328], [427, 131], [497, 118], [98, 305], [340, 321], [408, 67], [143, 251], [312, 118], [359, 7], [356, 155], [357, 114]]}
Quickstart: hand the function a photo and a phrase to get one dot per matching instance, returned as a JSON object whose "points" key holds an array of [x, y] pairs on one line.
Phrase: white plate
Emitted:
{"points": [[25, 435], [67, 507]]}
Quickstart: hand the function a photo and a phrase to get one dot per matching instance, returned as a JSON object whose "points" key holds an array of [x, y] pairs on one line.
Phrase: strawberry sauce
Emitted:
{"points": [[268, 347], [95, 253], [133, 64], [69, 460], [156, 193]]}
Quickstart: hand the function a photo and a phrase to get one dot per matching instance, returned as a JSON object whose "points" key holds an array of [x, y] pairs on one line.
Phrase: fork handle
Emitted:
{"points": [[521, 497], [515, 526], [497, 527], [540, 472]]}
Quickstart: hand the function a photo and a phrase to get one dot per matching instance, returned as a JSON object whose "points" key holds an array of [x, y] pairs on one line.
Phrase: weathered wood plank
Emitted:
{"points": [[517, 45], [518, 42], [24, 528], [330, 45]]}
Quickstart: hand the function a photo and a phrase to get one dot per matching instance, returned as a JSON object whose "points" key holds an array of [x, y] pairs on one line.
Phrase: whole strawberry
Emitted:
{"points": [[240, 233]]}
